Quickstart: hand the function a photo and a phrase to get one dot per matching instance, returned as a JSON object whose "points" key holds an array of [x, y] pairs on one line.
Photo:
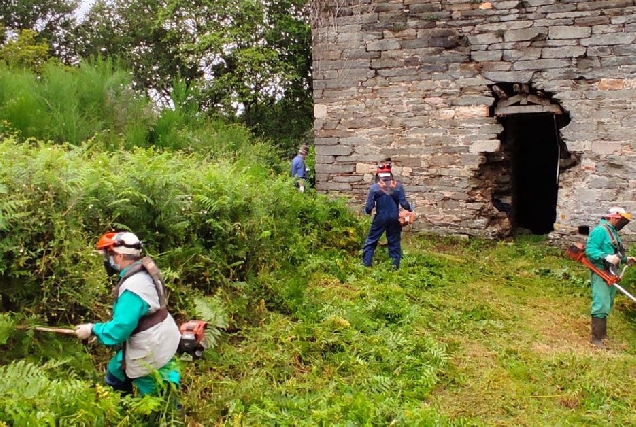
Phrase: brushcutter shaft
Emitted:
{"points": [[63, 331], [627, 294]]}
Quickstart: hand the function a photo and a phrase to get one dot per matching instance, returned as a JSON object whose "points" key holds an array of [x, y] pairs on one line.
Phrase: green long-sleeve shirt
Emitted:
{"points": [[127, 311], [599, 243]]}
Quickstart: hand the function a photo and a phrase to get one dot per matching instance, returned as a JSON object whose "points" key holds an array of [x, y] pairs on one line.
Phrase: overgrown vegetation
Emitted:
{"points": [[467, 332]]}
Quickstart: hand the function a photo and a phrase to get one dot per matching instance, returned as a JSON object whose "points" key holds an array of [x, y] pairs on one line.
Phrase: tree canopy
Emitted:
{"points": [[247, 61]]}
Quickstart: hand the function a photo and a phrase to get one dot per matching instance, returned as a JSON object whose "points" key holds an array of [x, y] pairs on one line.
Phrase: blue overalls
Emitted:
{"points": [[385, 196]]}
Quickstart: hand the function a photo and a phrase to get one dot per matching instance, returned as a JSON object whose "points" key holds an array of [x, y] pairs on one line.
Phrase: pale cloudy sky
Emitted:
{"points": [[84, 6]]}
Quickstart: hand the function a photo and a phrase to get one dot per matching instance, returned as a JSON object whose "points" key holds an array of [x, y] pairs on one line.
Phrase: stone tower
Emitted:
{"points": [[498, 116]]}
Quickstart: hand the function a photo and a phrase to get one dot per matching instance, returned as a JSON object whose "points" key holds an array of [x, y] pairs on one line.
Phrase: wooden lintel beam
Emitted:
{"points": [[525, 109]]}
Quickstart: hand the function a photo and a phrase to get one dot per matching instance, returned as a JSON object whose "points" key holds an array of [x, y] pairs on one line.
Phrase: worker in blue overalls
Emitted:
{"points": [[385, 195]]}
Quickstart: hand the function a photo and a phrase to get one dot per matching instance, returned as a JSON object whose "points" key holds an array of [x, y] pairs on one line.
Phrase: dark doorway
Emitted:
{"points": [[534, 142]]}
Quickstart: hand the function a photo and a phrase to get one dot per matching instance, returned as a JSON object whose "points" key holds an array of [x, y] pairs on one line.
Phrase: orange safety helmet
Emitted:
{"points": [[120, 242], [106, 242]]}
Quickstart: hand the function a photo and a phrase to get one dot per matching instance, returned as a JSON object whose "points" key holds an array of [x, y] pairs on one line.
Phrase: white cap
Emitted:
{"points": [[127, 243], [617, 212]]}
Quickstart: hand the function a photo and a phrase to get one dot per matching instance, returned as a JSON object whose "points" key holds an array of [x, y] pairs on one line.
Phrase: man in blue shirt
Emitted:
{"points": [[385, 195], [298, 168], [140, 324]]}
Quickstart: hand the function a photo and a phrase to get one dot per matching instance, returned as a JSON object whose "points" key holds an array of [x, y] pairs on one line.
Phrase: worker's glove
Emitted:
{"points": [[84, 331], [613, 259], [631, 260]]}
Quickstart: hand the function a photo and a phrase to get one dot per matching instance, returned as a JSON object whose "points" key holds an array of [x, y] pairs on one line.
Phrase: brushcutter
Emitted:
{"points": [[576, 252]]}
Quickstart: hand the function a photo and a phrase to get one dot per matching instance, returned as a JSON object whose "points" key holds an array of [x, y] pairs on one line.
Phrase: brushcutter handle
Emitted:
{"points": [[62, 331]]}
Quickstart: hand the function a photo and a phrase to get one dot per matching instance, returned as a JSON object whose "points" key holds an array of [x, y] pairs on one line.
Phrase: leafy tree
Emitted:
{"points": [[52, 19], [132, 31], [24, 51], [246, 60], [256, 58]]}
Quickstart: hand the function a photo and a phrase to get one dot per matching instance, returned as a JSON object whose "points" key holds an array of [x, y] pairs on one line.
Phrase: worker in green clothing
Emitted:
{"points": [[140, 324], [606, 251]]}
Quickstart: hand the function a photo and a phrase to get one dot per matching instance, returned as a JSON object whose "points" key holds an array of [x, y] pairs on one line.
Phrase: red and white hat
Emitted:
{"points": [[616, 212], [123, 242]]}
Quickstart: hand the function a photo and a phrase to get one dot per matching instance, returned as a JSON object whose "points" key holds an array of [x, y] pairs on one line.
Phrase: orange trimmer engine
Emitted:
{"points": [[192, 338]]}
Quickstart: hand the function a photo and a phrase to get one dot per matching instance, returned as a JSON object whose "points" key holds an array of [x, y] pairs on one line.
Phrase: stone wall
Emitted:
{"points": [[413, 80]]}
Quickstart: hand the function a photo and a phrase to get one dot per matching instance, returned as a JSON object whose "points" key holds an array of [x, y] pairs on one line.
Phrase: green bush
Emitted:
{"points": [[209, 223]]}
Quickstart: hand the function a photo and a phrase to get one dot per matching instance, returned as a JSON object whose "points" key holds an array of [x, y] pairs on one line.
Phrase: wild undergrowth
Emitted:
{"points": [[467, 332], [211, 224]]}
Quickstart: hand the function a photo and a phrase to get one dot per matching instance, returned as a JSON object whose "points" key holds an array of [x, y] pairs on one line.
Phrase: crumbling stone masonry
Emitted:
{"points": [[498, 116]]}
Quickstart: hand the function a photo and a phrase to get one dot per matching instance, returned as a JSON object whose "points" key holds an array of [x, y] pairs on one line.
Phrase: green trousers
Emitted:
{"points": [[148, 384], [602, 296]]}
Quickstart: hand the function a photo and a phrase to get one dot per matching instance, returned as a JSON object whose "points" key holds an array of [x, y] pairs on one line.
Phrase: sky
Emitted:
{"points": [[85, 5]]}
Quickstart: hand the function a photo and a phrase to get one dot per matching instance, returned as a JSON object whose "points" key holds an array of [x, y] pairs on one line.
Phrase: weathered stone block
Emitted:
{"points": [[320, 111], [560, 52], [472, 111], [532, 33], [596, 5], [541, 64], [605, 147], [335, 168], [485, 146], [473, 100], [486, 55], [611, 84], [609, 39], [522, 54], [508, 76], [333, 186], [484, 39], [326, 141], [570, 32], [389, 44]]}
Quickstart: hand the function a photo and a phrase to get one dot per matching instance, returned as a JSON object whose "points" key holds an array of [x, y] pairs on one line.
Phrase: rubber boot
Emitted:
{"points": [[599, 331], [603, 328]]}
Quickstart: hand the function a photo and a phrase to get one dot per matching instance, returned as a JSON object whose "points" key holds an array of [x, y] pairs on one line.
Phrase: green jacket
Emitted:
{"points": [[599, 244], [127, 311]]}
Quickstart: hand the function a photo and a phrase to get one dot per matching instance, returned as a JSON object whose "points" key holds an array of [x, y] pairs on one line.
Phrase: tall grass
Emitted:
{"points": [[72, 105]]}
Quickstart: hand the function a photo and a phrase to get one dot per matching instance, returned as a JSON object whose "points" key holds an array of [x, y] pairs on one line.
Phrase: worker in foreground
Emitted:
{"points": [[386, 195], [606, 251], [141, 326]]}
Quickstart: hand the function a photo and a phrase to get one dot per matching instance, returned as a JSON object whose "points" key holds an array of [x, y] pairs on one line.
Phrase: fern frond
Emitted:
{"points": [[7, 326], [212, 311]]}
